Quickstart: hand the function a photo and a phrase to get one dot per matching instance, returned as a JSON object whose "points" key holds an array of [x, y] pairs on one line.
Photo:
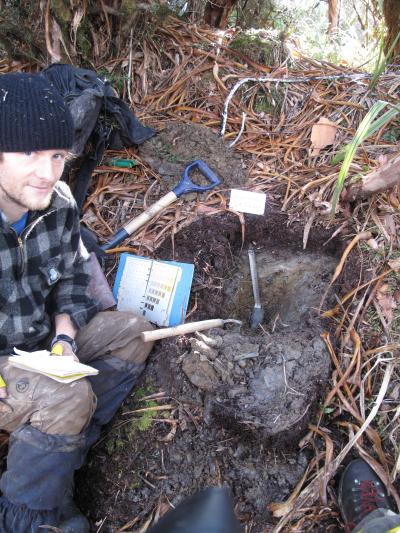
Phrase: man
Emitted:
{"points": [[43, 304]]}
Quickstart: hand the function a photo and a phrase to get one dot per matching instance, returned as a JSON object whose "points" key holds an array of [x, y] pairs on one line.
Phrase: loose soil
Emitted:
{"points": [[239, 399], [173, 148]]}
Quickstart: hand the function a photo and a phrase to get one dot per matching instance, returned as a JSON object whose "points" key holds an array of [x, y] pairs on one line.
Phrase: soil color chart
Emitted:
{"points": [[158, 290]]}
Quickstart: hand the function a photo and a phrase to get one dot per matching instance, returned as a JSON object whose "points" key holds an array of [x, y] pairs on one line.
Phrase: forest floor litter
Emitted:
{"points": [[272, 413]]}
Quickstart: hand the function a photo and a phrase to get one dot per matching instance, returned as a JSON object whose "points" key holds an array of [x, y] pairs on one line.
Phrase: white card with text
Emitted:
{"points": [[247, 201]]}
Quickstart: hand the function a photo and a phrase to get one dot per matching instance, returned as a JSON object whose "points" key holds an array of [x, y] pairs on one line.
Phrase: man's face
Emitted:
{"points": [[27, 179]]}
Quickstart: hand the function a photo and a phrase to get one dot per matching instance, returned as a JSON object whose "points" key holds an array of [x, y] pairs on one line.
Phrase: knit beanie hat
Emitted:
{"points": [[33, 115]]}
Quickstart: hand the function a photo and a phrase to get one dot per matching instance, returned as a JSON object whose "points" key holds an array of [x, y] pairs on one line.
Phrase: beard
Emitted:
{"points": [[25, 201]]}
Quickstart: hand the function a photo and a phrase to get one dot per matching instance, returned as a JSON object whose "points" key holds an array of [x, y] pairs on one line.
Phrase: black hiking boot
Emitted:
{"points": [[360, 492]]}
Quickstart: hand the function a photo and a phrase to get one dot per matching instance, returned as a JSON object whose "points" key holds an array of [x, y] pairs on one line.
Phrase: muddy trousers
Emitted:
{"points": [[379, 521], [48, 442]]}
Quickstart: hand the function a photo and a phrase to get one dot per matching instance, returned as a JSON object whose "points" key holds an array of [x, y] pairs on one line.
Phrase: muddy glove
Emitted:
{"points": [[4, 408]]}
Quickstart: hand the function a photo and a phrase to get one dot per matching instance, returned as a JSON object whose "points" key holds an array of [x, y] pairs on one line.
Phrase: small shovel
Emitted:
{"points": [[257, 314], [185, 186]]}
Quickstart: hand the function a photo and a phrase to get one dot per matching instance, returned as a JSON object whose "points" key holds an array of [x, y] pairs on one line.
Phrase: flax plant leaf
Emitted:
{"points": [[367, 128]]}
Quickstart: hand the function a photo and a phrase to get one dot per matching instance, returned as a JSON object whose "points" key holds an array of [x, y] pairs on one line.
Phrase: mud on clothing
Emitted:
{"points": [[43, 272], [111, 343], [54, 424]]}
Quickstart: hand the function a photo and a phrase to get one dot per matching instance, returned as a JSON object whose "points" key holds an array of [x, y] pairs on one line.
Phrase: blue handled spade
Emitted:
{"points": [[185, 186]]}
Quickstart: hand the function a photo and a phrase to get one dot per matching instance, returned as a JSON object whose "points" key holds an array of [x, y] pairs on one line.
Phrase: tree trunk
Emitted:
{"points": [[22, 33], [70, 31], [391, 12], [333, 16], [216, 12]]}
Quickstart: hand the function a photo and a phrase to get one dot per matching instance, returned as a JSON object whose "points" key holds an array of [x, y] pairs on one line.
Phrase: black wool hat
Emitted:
{"points": [[33, 115]]}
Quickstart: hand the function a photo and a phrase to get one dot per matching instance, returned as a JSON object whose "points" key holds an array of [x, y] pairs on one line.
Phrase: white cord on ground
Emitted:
{"points": [[130, 67], [240, 132]]}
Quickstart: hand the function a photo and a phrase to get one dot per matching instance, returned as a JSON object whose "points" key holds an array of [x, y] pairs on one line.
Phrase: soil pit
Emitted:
{"points": [[268, 380], [262, 382], [244, 398]]}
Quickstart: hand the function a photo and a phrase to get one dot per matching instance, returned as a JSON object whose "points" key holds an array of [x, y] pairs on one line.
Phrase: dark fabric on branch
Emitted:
{"points": [[101, 119]]}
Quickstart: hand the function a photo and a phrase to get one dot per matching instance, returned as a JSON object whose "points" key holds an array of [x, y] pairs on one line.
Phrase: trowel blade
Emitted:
{"points": [[256, 318]]}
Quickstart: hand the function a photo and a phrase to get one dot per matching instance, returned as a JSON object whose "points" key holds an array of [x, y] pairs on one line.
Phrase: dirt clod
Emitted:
{"points": [[200, 372]]}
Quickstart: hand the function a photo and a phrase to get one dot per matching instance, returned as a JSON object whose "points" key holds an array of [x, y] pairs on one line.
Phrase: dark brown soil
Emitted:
{"points": [[173, 148], [242, 430]]}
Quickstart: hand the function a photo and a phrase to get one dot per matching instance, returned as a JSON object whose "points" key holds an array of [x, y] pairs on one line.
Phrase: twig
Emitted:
{"points": [[147, 409], [288, 386], [101, 524]]}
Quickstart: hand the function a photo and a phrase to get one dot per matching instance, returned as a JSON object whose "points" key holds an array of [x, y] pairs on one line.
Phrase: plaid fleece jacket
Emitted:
{"points": [[43, 273]]}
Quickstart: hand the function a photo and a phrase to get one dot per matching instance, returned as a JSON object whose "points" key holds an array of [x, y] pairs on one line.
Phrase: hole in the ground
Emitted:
{"points": [[266, 381], [291, 284]]}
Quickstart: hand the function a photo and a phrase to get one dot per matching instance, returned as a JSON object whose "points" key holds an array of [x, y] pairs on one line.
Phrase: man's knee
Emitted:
{"points": [[65, 409], [133, 349], [117, 334]]}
